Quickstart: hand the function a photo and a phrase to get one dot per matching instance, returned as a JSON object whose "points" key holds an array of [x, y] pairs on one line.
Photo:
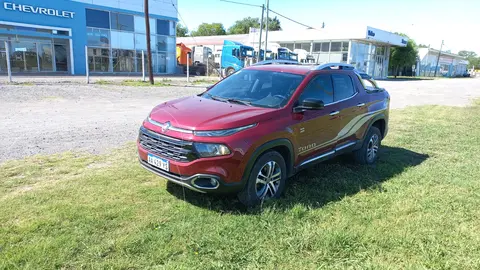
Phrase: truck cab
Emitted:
{"points": [[235, 56]]}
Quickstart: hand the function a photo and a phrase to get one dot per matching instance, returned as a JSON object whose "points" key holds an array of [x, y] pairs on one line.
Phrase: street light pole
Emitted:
{"points": [[149, 49], [260, 40], [438, 60]]}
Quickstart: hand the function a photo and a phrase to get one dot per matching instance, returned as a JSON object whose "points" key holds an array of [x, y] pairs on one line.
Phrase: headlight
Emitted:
{"points": [[211, 150], [222, 132]]}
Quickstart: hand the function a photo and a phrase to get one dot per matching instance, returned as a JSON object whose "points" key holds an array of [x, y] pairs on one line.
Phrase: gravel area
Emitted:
{"points": [[57, 115]]}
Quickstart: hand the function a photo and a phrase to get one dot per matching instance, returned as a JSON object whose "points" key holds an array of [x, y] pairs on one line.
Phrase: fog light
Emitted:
{"points": [[205, 183]]}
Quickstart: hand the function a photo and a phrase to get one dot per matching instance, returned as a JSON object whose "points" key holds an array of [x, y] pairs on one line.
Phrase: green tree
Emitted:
{"points": [[401, 57], [274, 24], [210, 29], [182, 31], [243, 26], [472, 57]]}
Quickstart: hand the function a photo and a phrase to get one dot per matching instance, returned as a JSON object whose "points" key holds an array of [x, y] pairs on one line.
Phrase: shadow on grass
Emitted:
{"points": [[315, 187]]}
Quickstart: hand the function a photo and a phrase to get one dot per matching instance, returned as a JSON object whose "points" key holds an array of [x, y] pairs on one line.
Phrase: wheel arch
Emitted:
{"points": [[283, 146]]}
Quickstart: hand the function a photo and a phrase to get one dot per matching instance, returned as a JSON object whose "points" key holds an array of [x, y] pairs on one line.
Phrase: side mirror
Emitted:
{"points": [[309, 104]]}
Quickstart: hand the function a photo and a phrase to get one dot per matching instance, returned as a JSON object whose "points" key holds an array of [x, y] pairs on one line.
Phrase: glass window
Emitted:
{"points": [[325, 47], [163, 27], [23, 57], [141, 42], [319, 88], [316, 47], [289, 46], [46, 57], [343, 86], [336, 47], [98, 60], [60, 32], [259, 87], [140, 27], [122, 22], [122, 40], [298, 45], [306, 47], [98, 37], [171, 63], [123, 60], [172, 28], [98, 18], [162, 63], [164, 43], [345, 46]]}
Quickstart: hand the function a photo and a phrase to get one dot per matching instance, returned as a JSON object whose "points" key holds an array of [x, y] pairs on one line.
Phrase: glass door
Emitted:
{"points": [[3, 57], [23, 57], [61, 57]]}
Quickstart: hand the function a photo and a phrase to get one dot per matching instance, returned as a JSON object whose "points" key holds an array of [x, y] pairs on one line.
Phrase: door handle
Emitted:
{"points": [[360, 104], [334, 113]]}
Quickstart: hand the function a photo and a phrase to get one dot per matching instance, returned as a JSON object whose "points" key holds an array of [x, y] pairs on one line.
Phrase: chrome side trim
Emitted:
{"points": [[327, 154], [344, 146], [317, 158]]}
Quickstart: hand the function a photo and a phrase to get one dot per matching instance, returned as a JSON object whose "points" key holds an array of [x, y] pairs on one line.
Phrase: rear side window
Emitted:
{"points": [[343, 86], [319, 88]]}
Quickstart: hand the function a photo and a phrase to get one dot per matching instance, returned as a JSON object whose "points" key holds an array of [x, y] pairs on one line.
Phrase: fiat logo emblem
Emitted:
{"points": [[166, 126]]}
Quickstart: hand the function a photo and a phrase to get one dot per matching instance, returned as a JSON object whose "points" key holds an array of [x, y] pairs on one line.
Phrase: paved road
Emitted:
{"points": [[49, 118]]}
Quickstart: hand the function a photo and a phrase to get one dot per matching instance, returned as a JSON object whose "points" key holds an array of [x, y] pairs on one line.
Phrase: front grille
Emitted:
{"points": [[167, 147]]}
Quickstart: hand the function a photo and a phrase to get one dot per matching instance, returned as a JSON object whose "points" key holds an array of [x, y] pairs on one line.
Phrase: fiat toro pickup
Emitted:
{"points": [[255, 129]]}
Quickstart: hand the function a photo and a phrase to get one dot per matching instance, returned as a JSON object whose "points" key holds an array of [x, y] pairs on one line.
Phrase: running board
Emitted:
{"points": [[331, 153]]}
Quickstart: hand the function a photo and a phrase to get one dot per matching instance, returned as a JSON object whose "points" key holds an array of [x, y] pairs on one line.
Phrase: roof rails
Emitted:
{"points": [[341, 66], [276, 62]]}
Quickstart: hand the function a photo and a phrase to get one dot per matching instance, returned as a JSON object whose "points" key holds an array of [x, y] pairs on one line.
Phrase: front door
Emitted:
{"points": [[316, 130]]}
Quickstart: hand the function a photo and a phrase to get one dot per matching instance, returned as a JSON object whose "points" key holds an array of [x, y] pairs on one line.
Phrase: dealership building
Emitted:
{"points": [[365, 47], [67, 36]]}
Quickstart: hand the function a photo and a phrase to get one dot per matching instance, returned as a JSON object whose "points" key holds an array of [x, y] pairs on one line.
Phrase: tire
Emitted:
{"points": [[230, 71], [368, 154], [255, 191]]}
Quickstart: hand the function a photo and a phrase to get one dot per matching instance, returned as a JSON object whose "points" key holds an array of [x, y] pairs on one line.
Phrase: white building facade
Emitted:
{"points": [[367, 48], [449, 64]]}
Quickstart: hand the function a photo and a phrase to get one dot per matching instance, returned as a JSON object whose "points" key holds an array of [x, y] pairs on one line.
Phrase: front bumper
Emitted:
{"points": [[195, 182]]}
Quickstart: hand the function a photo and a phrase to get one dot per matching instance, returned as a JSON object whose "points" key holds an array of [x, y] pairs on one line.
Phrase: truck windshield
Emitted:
{"points": [[260, 88]]}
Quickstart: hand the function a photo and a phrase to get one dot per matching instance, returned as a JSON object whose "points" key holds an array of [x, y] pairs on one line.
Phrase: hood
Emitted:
{"points": [[196, 113]]}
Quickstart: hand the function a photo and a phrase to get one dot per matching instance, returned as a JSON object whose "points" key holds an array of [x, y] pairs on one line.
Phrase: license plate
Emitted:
{"points": [[158, 162]]}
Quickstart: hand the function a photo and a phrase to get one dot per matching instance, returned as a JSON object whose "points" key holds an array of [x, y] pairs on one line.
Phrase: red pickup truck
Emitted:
{"points": [[255, 129]]}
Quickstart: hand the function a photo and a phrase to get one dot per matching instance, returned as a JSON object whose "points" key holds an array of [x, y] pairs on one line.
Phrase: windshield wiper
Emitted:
{"points": [[230, 100], [239, 101], [217, 98]]}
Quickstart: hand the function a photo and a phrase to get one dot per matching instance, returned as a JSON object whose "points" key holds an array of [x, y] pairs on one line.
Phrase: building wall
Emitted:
{"points": [[39, 22], [449, 65]]}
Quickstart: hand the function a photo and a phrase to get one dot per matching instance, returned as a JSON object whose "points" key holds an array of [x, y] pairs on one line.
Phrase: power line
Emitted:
{"points": [[245, 4], [183, 21], [297, 22]]}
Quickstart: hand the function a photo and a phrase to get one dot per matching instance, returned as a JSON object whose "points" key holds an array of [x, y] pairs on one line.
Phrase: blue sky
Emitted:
{"points": [[426, 21]]}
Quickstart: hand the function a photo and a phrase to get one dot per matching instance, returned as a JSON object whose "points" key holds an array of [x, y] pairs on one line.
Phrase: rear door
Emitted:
{"points": [[350, 108]]}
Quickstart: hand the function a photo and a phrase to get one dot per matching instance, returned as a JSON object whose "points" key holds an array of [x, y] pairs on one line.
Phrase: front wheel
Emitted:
{"points": [[266, 181], [230, 71], [368, 154]]}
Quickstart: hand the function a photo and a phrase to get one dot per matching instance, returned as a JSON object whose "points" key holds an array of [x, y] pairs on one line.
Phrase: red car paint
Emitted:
{"points": [[311, 133]]}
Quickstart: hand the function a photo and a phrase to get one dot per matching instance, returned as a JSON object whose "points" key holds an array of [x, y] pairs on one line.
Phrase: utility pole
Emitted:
{"points": [[438, 60], [266, 31], [260, 41], [149, 49]]}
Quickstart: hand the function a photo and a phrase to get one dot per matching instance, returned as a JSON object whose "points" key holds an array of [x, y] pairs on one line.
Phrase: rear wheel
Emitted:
{"points": [[266, 181], [368, 154]]}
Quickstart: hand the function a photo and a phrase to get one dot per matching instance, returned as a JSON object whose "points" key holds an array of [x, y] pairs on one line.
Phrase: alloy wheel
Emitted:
{"points": [[268, 180], [372, 147]]}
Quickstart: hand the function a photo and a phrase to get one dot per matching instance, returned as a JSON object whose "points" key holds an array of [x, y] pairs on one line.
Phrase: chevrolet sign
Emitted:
{"points": [[38, 10]]}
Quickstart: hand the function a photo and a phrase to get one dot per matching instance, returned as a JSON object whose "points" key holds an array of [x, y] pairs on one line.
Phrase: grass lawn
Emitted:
{"points": [[418, 208]]}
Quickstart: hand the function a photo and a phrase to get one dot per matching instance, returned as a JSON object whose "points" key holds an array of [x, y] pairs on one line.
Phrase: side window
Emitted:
{"points": [[319, 88], [343, 86]]}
